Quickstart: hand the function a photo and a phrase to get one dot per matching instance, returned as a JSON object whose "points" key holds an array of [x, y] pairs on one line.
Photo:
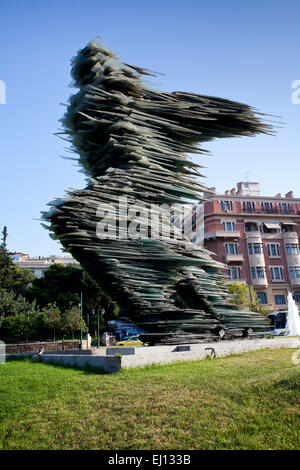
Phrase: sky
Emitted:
{"points": [[241, 50]]}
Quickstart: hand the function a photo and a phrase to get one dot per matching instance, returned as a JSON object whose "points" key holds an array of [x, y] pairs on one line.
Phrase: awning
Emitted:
{"points": [[272, 225], [288, 223]]}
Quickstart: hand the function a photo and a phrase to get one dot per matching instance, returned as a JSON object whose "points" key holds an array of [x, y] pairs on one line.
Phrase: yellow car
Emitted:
{"points": [[132, 341]]}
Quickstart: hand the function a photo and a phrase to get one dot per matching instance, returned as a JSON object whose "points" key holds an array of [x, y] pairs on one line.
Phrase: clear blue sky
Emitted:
{"points": [[241, 50]]}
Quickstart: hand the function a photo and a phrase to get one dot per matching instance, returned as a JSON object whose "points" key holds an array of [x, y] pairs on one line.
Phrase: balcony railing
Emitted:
{"points": [[270, 211], [234, 258], [222, 234]]}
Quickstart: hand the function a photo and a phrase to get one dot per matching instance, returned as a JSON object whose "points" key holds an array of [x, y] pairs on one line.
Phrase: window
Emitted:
{"points": [[262, 297], [292, 248], [295, 272], [277, 273], [234, 273], [297, 297], [258, 272], [229, 226], [280, 299], [231, 248], [273, 249], [285, 208], [226, 206], [255, 248], [267, 207], [249, 207]]}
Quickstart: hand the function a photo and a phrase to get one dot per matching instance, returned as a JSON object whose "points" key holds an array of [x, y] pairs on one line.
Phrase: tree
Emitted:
{"points": [[12, 304], [241, 297], [11, 276], [72, 321], [4, 237], [22, 325], [95, 299], [52, 318], [63, 285], [60, 284]]}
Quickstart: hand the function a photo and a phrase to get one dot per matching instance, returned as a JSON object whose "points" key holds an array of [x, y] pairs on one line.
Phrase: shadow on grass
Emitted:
{"points": [[88, 369]]}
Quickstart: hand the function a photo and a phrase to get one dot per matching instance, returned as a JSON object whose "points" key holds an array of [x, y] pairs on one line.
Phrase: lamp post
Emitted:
{"points": [[102, 314], [93, 313], [81, 302]]}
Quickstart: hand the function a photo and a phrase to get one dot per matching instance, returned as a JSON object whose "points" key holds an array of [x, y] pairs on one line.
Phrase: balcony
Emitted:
{"points": [[222, 234], [272, 236], [270, 211], [253, 234], [290, 235], [262, 282], [234, 259]]}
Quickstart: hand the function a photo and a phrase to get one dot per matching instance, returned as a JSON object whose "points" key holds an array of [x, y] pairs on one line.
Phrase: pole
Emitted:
{"points": [[81, 301], [102, 314], [98, 329]]}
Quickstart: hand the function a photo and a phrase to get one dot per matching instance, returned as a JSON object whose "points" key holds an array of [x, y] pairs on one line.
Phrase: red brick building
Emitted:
{"points": [[257, 237]]}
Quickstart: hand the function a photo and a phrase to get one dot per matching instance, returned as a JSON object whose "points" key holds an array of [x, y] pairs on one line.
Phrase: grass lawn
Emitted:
{"points": [[249, 401]]}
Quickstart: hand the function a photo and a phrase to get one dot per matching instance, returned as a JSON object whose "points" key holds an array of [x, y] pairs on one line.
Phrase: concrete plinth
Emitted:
{"points": [[113, 359]]}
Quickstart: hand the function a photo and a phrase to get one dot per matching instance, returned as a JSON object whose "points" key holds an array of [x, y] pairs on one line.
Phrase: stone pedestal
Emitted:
{"points": [[87, 342]]}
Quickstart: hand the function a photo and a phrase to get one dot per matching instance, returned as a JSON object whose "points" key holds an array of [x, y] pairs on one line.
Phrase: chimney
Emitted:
{"points": [[289, 194], [278, 195], [233, 192]]}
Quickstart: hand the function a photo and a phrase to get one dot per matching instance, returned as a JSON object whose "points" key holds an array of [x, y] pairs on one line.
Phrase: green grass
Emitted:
{"points": [[249, 401]]}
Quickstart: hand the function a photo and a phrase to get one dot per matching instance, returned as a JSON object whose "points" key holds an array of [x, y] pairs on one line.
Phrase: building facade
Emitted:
{"points": [[257, 237], [38, 265]]}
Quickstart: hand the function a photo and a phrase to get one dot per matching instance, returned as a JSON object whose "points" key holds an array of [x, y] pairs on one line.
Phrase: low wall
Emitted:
{"points": [[142, 356], [57, 346], [168, 354], [103, 363]]}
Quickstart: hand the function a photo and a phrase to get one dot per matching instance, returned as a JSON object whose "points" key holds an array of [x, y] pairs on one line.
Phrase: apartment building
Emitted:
{"points": [[38, 265], [257, 237]]}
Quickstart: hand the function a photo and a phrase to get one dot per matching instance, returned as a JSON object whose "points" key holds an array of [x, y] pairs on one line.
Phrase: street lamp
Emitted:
{"points": [[98, 326], [81, 303]]}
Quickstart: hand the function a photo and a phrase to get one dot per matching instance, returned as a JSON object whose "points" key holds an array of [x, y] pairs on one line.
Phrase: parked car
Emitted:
{"points": [[132, 341]]}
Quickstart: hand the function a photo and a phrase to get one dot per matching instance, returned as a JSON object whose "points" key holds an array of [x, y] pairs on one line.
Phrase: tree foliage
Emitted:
{"points": [[11, 276], [22, 325], [12, 304], [95, 299], [60, 284], [57, 295], [72, 321], [64, 284], [52, 318], [241, 297]]}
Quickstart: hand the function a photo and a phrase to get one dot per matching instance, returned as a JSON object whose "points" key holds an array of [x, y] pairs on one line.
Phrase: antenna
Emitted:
{"points": [[246, 176]]}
